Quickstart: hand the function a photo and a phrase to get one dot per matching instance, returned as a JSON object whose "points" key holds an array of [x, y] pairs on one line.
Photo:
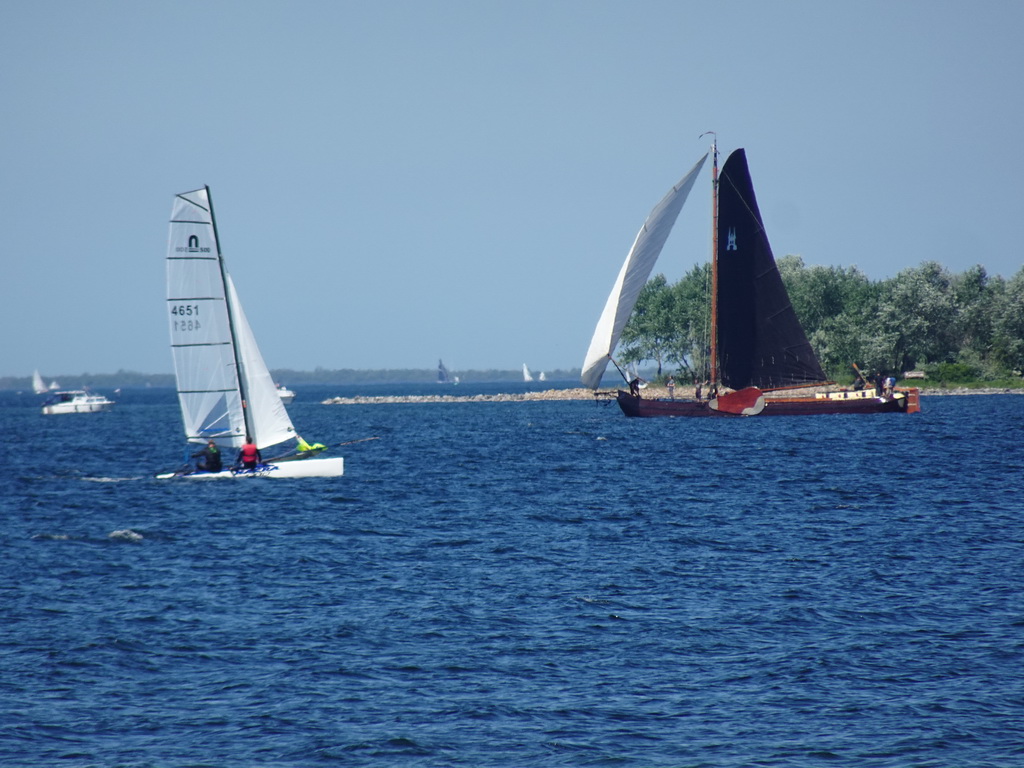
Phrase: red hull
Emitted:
{"points": [[632, 405]]}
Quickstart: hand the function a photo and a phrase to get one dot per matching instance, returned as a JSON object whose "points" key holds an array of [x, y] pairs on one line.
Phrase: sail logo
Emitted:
{"points": [[731, 243], [193, 246]]}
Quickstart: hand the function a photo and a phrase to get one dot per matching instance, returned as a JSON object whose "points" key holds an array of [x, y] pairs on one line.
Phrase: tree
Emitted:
{"points": [[917, 318], [650, 332], [670, 324], [972, 296], [691, 348], [1008, 324]]}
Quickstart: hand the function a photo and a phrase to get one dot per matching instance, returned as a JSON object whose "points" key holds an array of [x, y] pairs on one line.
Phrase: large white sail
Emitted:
{"points": [[634, 274], [216, 360], [38, 385]]}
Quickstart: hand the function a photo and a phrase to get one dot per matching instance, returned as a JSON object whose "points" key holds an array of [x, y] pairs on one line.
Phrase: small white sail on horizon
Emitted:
{"points": [[633, 275], [38, 385], [527, 376]]}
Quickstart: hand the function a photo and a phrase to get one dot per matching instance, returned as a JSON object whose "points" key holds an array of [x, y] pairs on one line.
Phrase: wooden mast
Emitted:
{"points": [[714, 261]]}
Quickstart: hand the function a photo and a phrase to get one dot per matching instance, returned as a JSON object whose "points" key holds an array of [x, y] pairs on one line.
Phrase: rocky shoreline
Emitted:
{"points": [[587, 394], [546, 395]]}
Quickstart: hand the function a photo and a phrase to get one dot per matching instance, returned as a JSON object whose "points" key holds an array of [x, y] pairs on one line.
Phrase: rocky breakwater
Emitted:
{"points": [[524, 397]]}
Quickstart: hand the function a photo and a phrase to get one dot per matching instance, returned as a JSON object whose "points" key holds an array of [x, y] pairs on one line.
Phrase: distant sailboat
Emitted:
{"points": [[443, 376], [527, 376], [38, 385], [225, 390], [543, 376]]}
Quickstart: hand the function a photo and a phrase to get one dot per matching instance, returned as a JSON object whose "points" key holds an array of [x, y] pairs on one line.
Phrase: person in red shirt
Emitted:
{"points": [[249, 456]]}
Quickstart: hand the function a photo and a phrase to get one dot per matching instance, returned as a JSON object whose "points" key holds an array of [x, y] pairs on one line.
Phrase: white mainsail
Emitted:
{"points": [[634, 274], [224, 387], [38, 385], [527, 376]]}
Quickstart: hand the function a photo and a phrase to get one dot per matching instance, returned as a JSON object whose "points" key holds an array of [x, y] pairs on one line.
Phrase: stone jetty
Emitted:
{"points": [[524, 397]]}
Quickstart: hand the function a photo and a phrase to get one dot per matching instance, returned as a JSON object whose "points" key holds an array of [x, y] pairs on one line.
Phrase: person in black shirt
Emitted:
{"points": [[209, 458]]}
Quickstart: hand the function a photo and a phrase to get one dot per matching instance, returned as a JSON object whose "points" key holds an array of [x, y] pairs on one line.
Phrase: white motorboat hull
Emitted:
{"points": [[86, 404], [49, 410], [331, 467]]}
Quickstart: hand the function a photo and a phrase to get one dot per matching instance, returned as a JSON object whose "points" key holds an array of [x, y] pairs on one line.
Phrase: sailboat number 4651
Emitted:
{"points": [[183, 311]]}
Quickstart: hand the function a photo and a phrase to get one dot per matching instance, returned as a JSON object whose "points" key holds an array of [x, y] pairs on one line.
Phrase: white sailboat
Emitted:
{"points": [[38, 385], [527, 376], [224, 387]]}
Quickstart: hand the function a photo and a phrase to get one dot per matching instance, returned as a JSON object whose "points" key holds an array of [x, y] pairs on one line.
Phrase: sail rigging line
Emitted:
{"points": [[622, 373]]}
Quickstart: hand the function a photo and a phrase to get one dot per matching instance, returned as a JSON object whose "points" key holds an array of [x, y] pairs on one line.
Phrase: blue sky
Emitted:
{"points": [[401, 181]]}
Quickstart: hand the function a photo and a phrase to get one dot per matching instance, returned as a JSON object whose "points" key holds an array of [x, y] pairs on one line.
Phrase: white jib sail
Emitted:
{"points": [[38, 386], [202, 342], [634, 274], [268, 418]]}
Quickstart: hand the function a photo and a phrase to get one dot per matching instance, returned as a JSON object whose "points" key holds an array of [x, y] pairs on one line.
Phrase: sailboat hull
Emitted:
{"points": [[904, 401], [332, 467]]}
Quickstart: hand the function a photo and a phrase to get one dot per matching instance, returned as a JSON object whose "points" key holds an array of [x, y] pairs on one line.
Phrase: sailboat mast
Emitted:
{"points": [[239, 378], [714, 260]]}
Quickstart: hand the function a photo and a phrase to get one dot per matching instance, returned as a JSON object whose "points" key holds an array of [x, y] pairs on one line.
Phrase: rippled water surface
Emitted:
{"points": [[518, 584]]}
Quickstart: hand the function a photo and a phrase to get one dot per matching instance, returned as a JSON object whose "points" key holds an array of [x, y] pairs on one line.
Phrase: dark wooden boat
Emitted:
{"points": [[758, 349], [866, 401]]}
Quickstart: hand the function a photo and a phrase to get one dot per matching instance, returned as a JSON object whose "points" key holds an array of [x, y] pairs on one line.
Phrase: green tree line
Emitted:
{"points": [[955, 327]]}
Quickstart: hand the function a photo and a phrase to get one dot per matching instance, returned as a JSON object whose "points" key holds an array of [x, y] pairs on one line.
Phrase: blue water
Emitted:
{"points": [[518, 584]]}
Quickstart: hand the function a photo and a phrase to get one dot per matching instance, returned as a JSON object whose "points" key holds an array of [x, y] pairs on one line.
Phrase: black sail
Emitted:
{"points": [[760, 341]]}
